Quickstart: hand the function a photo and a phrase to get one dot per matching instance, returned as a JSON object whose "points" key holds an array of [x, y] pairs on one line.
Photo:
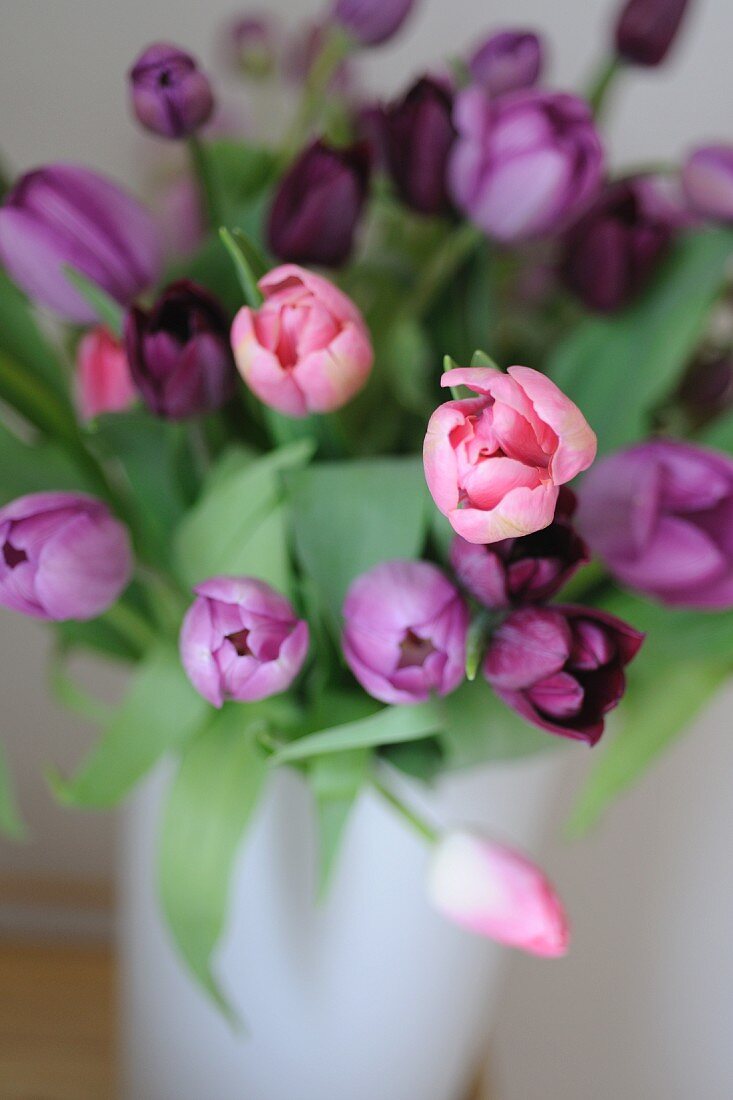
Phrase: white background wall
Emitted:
{"points": [[643, 1007]]}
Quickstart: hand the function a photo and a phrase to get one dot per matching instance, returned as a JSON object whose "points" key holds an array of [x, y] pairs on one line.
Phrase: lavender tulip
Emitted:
{"points": [[241, 640], [62, 556], [562, 668], [372, 22], [646, 29], [660, 514], [317, 206], [170, 95], [419, 136], [507, 61], [707, 179], [63, 215], [524, 165], [405, 632]]}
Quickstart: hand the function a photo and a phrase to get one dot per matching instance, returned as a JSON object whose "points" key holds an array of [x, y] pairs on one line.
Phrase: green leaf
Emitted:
{"points": [[160, 713], [71, 695], [210, 804], [336, 781], [617, 369], [11, 824], [22, 340], [96, 636], [109, 312], [34, 467], [242, 265], [423, 760], [241, 172], [481, 359], [387, 727]]}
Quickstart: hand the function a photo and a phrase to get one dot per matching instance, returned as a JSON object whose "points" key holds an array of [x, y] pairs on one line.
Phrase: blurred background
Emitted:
{"points": [[642, 1006]]}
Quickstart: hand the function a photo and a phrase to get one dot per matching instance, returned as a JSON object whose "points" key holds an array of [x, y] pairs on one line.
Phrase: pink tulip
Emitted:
{"points": [[103, 381], [307, 349], [494, 463], [495, 891]]}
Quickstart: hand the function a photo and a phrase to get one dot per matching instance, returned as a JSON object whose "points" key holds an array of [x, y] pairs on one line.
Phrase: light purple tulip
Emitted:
{"points": [[62, 556], [523, 165], [241, 640], [64, 215], [405, 632], [660, 514], [507, 61], [170, 94], [372, 22], [707, 180]]}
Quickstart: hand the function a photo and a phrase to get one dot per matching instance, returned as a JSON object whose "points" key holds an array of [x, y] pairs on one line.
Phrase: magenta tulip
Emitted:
{"points": [[707, 179], [103, 380]]}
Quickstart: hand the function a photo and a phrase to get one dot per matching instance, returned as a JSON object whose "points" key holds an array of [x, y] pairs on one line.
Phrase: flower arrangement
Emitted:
{"points": [[226, 491]]}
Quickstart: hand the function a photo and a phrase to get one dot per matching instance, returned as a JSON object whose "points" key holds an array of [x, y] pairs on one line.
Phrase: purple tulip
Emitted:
{"points": [[252, 44], [507, 61], [62, 556], [614, 249], [562, 668], [63, 215], [405, 632], [372, 22], [522, 570], [526, 164], [170, 95], [660, 514], [317, 205], [419, 137], [646, 29], [179, 352], [707, 180], [241, 640]]}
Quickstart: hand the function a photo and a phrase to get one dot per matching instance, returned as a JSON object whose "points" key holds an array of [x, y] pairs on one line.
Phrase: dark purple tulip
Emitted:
{"points": [[562, 668], [524, 570], [179, 352], [171, 96], [660, 514], [507, 61], [646, 29], [707, 180], [62, 556], [63, 215], [371, 22], [612, 252], [251, 44], [318, 203], [370, 123], [419, 135]]}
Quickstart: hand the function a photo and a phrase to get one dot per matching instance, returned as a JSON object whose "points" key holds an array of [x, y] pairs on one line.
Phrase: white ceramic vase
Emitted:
{"points": [[371, 996]]}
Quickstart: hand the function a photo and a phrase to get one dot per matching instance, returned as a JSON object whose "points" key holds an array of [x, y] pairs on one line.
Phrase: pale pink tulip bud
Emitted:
{"points": [[103, 381], [307, 348], [490, 889]]}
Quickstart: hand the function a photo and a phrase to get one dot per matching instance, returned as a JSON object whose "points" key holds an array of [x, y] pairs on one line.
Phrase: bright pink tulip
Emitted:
{"points": [[494, 463], [103, 381], [495, 891], [307, 349]]}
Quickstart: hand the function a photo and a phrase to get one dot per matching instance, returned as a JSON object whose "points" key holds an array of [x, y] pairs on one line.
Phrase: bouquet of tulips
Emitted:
{"points": [[228, 457]]}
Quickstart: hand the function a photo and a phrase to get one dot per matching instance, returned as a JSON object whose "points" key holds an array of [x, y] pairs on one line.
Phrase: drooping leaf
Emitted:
{"points": [[388, 726], [11, 824], [336, 780], [108, 311], [21, 338]]}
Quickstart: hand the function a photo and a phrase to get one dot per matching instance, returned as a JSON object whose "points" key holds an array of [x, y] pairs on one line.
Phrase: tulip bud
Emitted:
{"points": [[241, 640], [307, 349], [171, 97], [419, 137], [371, 22], [62, 556], [317, 205], [646, 29], [524, 165], [103, 379], [707, 180], [62, 216], [179, 352], [561, 668], [495, 891], [405, 632], [660, 514], [252, 45], [524, 570], [507, 61]]}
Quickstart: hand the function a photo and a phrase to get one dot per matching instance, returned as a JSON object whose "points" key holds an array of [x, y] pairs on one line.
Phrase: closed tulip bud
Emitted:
{"points": [[241, 640], [307, 349], [524, 570], [614, 249], [562, 668], [526, 164], [103, 382], [707, 180], [62, 556], [179, 352], [371, 22], [252, 45], [507, 61], [405, 632], [65, 216], [317, 206], [419, 137], [171, 96], [660, 515], [495, 891], [646, 29]]}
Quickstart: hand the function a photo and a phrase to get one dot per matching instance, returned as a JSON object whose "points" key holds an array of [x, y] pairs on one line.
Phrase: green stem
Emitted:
{"points": [[336, 47], [427, 832], [131, 625], [204, 175], [445, 262], [602, 83]]}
